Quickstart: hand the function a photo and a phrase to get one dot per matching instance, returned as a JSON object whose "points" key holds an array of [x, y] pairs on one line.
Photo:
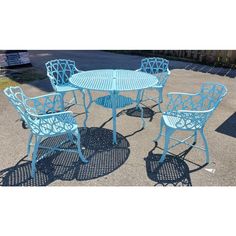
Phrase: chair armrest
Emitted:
{"points": [[195, 111], [168, 72], [47, 95], [43, 104], [187, 119], [51, 124], [176, 112], [58, 115], [77, 70], [184, 94]]}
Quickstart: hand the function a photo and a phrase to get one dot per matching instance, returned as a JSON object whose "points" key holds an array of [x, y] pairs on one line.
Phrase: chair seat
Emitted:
{"points": [[121, 101], [53, 126], [179, 123]]}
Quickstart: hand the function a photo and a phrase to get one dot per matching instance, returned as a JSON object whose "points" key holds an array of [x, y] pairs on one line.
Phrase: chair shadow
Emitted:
{"points": [[103, 156], [174, 171], [229, 126], [147, 112]]}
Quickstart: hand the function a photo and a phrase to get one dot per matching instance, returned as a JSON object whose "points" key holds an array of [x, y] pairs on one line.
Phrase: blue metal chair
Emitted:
{"points": [[159, 68], [59, 71], [45, 117], [190, 112]]}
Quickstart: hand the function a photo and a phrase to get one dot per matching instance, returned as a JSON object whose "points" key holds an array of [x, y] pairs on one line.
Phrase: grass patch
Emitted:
{"points": [[6, 82], [14, 77]]}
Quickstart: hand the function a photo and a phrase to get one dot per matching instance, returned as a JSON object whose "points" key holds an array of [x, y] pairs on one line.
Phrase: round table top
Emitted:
{"points": [[113, 80]]}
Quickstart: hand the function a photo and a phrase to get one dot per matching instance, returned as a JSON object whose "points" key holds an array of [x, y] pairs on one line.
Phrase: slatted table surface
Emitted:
{"points": [[113, 80]]}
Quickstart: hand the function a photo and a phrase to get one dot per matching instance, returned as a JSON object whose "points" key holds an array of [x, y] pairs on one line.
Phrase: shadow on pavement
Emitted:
{"points": [[229, 72], [147, 113], [134, 112], [172, 172], [103, 156], [229, 126]]}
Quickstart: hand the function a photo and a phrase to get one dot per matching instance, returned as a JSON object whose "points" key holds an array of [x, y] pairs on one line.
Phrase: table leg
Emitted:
{"points": [[90, 98], [138, 101], [138, 98], [113, 100], [85, 108]]}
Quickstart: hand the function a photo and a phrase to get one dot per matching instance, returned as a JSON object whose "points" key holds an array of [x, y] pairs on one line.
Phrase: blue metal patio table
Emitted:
{"points": [[113, 81]]}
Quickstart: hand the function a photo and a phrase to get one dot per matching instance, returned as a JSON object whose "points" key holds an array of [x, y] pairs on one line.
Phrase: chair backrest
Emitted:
{"points": [[17, 98], [36, 111], [60, 70], [212, 94], [196, 109], [156, 66]]}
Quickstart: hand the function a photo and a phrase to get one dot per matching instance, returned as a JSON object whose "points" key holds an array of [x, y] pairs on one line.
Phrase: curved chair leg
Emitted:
{"points": [[161, 95], [29, 144], [33, 164], [70, 137], [160, 133], [195, 137], [82, 158], [168, 133], [63, 96], [75, 99], [206, 145], [160, 99]]}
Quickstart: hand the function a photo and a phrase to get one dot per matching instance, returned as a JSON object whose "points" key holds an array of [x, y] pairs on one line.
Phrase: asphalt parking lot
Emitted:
{"points": [[134, 161]]}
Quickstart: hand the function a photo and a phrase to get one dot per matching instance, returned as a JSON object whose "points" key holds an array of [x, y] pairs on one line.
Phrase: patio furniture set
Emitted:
{"points": [[45, 115]]}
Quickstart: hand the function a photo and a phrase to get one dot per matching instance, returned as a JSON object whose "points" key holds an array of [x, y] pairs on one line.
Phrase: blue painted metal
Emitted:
{"points": [[120, 101], [59, 71], [158, 67], [45, 117], [114, 82], [114, 96], [190, 112]]}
